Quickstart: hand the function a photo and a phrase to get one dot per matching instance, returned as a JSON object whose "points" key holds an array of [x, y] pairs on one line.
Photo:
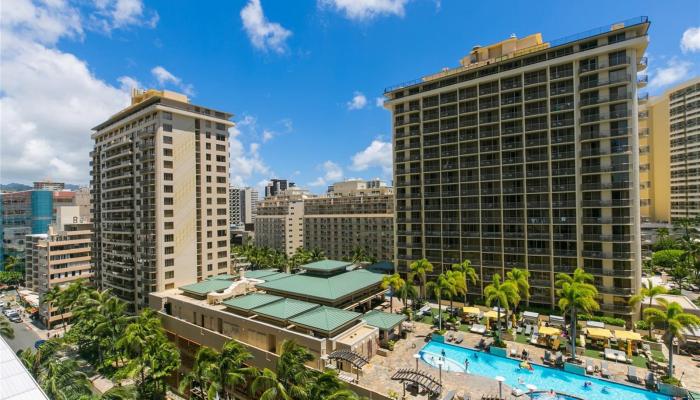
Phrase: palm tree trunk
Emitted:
{"points": [[573, 333], [439, 312], [391, 301], [670, 356], [498, 321]]}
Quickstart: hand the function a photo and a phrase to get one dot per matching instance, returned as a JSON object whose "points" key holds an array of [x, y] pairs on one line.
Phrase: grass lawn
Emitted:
{"points": [[658, 356], [637, 361], [522, 339], [428, 319]]}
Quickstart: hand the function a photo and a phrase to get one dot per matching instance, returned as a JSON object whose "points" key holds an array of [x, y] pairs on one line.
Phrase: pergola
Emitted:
{"points": [[356, 360], [419, 378]]}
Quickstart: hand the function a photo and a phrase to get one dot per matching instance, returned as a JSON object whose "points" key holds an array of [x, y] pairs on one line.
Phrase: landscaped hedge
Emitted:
{"points": [[605, 320]]}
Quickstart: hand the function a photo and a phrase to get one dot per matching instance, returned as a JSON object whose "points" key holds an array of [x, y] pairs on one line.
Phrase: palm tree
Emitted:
{"points": [[395, 282], [674, 320], [62, 380], [327, 386], [230, 370], [204, 360], [502, 294], [6, 328], [10, 263], [575, 295], [420, 268], [359, 255], [53, 297], [316, 254], [442, 286], [267, 386], [292, 370], [408, 290], [648, 290], [459, 284], [120, 392], [465, 267], [521, 279]]}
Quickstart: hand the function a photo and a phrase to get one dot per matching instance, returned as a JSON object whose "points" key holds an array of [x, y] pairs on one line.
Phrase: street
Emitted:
{"points": [[25, 337]]}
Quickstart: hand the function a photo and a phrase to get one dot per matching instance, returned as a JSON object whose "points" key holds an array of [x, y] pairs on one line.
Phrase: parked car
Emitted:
{"points": [[15, 317]]}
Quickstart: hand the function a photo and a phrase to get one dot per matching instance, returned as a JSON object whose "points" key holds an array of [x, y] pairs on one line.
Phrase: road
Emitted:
{"points": [[25, 337]]}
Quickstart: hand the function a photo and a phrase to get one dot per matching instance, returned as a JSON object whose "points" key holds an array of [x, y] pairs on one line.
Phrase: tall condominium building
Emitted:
{"points": [[49, 185], [160, 176], [234, 205], [354, 214], [279, 223], [277, 186], [249, 204], [29, 212], [526, 156], [59, 257]]}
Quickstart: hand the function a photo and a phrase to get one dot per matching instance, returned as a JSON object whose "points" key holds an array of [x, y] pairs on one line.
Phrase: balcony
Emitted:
{"points": [[642, 81], [642, 64], [604, 116]]}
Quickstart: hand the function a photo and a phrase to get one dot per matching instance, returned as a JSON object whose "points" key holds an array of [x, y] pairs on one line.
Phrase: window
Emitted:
{"points": [[167, 115], [169, 238], [167, 164], [169, 262], [169, 225], [220, 147], [169, 274], [616, 38], [167, 127], [168, 201], [168, 176], [168, 152], [169, 250], [220, 126], [168, 188], [168, 213], [168, 139]]}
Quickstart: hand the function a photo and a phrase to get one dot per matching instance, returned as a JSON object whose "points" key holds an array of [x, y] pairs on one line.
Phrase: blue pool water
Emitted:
{"points": [[543, 378]]}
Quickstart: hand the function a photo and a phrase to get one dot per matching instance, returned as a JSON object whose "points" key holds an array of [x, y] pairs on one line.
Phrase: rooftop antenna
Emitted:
{"points": [[513, 36]]}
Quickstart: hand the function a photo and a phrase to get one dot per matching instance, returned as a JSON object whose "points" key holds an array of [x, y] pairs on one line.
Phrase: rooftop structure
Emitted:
{"points": [[16, 383], [327, 266]]}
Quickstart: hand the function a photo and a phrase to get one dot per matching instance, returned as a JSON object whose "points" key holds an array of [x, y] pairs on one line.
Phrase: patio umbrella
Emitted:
{"points": [[549, 331]]}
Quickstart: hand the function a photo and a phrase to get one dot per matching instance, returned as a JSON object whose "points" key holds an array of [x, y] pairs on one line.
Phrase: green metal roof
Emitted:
{"points": [[204, 287], [251, 301], [330, 288], [382, 320], [259, 273], [326, 266], [276, 276], [284, 309], [325, 318], [223, 277]]}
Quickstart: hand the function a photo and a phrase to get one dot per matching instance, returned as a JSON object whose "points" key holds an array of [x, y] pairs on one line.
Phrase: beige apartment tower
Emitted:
{"points": [[279, 222], [160, 182], [354, 214], [526, 156]]}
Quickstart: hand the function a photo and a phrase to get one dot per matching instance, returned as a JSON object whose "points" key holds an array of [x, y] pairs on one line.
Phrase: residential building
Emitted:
{"points": [[354, 214], [277, 186], [160, 181], [59, 257], [683, 106], [234, 204], [249, 204], [322, 309], [279, 223], [526, 155], [49, 185]]}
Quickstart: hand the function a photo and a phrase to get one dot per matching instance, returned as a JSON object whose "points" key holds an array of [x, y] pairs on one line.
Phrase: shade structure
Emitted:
{"points": [[549, 331], [627, 335], [471, 310], [494, 315], [598, 333]]}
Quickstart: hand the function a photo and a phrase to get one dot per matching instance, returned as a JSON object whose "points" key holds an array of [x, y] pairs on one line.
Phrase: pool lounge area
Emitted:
{"points": [[541, 378]]}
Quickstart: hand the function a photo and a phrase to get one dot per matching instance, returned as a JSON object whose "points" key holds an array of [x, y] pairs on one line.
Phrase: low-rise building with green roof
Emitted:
{"points": [[385, 322], [284, 309], [329, 320], [250, 301], [326, 267], [339, 291], [260, 273], [201, 289]]}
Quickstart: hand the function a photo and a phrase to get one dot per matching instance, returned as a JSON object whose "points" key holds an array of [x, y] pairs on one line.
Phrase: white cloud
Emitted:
{"points": [[332, 173], [690, 42], [362, 10], [245, 164], [379, 102], [127, 83], [44, 23], [359, 101], [377, 154], [113, 14], [165, 77], [267, 136], [263, 34], [675, 71]]}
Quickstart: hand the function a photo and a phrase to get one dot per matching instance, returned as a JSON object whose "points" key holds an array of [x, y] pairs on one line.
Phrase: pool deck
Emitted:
{"points": [[378, 373]]}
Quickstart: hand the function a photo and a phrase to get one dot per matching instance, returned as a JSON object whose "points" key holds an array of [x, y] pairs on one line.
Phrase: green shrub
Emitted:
{"points": [[642, 324], [671, 380], [674, 292], [667, 258], [390, 345], [606, 320]]}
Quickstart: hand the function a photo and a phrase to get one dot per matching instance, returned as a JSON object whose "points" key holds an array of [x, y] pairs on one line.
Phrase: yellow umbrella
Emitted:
{"points": [[599, 333], [471, 310], [627, 335], [549, 331], [493, 315]]}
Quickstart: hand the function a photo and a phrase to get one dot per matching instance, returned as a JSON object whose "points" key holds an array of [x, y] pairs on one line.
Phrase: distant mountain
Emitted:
{"points": [[17, 187], [14, 187]]}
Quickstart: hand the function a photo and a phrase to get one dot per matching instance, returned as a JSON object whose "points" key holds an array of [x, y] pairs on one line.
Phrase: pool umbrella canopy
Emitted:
{"points": [[549, 331], [627, 335], [494, 315], [471, 310], [531, 316], [598, 333]]}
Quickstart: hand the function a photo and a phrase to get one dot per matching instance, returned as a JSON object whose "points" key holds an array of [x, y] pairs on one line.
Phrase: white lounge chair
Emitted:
{"points": [[604, 369], [534, 338], [589, 367], [478, 328], [528, 330], [514, 351]]}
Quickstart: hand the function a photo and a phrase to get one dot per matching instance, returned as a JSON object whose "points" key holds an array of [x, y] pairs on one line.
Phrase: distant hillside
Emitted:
{"points": [[17, 187]]}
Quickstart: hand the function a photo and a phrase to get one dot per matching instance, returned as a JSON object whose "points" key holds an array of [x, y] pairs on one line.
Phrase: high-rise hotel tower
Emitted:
{"points": [[526, 156], [160, 181]]}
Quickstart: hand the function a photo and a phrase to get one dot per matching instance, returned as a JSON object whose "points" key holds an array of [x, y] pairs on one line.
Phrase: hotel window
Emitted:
{"points": [[167, 115], [168, 139], [169, 274], [169, 262], [167, 127], [167, 164], [168, 152], [169, 238], [169, 250], [169, 225]]}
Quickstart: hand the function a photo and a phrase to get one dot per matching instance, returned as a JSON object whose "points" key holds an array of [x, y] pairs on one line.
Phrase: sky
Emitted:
{"points": [[304, 79]]}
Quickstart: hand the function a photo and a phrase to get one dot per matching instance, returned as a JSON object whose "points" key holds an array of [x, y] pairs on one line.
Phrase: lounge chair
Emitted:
{"points": [[519, 331], [514, 351], [478, 328], [449, 336], [632, 375], [536, 331], [534, 338], [559, 361], [459, 338], [604, 369], [528, 330], [547, 359], [650, 381], [610, 355], [589, 367]]}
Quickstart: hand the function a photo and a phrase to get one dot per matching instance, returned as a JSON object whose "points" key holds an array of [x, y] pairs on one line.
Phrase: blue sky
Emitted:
{"points": [[302, 78]]}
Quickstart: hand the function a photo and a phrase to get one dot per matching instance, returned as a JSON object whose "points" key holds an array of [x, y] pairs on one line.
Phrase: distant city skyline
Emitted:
{"points": [[305, 83]]}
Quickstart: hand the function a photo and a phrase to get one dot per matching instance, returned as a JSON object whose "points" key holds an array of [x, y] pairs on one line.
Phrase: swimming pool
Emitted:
{"points": [[543, 378]]}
